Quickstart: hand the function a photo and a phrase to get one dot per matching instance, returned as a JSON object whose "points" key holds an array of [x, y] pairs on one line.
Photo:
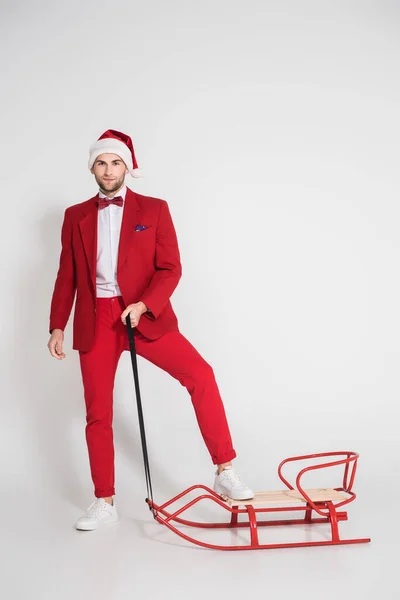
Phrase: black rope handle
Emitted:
{"points": [[140, 415]]}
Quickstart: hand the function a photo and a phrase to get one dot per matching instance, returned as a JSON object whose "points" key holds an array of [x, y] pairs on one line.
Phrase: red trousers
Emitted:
{"points": [[171, 352]]}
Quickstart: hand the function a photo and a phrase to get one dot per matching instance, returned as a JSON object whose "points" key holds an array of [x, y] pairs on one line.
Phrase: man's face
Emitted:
{"points": [[109, 171]]}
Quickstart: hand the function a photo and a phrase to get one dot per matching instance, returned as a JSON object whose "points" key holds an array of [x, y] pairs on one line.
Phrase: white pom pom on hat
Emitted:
{"points": [[115, 142]]}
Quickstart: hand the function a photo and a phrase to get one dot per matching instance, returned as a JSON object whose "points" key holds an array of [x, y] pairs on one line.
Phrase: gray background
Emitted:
{"points": [[272, 130]]}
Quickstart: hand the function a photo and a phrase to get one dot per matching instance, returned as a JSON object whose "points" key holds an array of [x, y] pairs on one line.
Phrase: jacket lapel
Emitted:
{"points": [[129, 221], [88, 228]]}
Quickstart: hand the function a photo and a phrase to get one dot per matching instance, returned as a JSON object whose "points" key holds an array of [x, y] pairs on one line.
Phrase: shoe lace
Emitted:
{"points": [[95, 508], [233, 476]]}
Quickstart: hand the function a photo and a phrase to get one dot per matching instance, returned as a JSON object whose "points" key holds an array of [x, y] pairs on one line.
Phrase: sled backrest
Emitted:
{"points": [[347, 459]]}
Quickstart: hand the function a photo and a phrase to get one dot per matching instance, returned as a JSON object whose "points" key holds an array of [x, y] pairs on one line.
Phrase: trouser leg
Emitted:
{"points": [[98, 368], [174, 354]]}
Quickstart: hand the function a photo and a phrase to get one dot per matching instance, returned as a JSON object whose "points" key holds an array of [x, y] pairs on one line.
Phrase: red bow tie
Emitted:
{"points": [[103, 202]]}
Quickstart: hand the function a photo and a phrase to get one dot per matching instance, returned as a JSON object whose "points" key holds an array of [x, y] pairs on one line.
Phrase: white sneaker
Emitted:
{"points": [[99, 512], [229, 483]]}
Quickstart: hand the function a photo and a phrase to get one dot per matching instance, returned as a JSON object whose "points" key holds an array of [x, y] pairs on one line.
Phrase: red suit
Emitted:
{"points": [[148, 270]]}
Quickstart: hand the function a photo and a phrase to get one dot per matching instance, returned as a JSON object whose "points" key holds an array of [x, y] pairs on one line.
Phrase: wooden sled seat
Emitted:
{"points": [[286, 496]]}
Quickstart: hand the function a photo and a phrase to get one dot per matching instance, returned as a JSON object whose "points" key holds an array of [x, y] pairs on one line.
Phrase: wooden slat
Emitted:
{"points": [[289, 496]]}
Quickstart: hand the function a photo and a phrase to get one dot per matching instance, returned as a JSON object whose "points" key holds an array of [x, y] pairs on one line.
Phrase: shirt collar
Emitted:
{"points": [[122, 192]]}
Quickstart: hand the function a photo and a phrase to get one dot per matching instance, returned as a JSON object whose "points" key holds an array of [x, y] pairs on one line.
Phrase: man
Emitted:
{"points": [[120, 255]]}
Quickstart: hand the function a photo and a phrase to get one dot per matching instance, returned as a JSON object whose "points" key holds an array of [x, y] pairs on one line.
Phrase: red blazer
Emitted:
{"points": [[148, 270]]}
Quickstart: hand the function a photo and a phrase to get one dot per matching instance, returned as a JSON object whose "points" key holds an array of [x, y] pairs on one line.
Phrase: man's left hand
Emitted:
{"points": [[135, 311]]}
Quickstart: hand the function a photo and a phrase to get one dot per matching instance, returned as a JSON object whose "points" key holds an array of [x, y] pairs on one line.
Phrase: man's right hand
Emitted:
{"points": [[55, 344]]}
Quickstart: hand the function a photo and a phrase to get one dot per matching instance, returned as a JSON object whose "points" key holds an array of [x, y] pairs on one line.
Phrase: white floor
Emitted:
{"points": [[45, 557]]}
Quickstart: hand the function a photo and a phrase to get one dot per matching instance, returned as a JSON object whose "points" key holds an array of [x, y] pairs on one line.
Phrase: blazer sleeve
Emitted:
{"points": [[65, 284], [167, 264]]}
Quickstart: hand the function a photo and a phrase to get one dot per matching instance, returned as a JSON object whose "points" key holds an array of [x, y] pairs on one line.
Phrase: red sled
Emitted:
{"points": [[324, 502]]}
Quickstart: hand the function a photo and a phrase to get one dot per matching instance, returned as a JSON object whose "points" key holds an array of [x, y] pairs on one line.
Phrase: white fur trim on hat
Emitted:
{"points": [[112, 146]]}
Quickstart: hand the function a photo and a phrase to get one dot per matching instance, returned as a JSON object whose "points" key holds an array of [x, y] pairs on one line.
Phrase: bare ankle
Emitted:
{"points": [[222, 466]]}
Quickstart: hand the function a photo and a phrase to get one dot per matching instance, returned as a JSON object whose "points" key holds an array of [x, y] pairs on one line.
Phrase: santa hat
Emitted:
{"points": [[115, 142]]}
